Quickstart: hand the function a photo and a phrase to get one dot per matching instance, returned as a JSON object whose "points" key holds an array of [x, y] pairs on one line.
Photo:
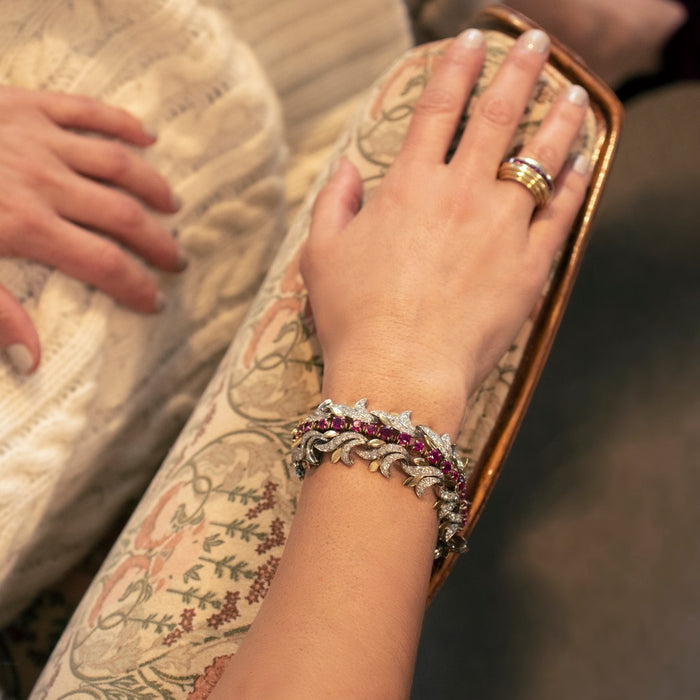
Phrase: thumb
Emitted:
{"points": [[18, 337], [338, 202]]}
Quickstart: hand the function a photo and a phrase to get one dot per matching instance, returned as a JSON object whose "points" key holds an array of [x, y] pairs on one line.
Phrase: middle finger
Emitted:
{"points": [[499, 110]]}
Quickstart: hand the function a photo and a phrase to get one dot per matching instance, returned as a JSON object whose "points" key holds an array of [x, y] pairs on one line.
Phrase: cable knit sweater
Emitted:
{"points": [[84, 434]]}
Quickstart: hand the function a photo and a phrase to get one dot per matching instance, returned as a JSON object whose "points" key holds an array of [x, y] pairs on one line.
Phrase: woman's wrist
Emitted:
{"points": [[435, 398]]}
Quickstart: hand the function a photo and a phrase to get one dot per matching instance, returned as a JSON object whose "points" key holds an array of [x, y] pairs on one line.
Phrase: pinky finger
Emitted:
{"points": [[552, 224], [18, 337]]}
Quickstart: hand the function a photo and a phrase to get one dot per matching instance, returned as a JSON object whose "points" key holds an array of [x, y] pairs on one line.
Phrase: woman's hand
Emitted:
{"points": [[422, 291], [75, 200]]}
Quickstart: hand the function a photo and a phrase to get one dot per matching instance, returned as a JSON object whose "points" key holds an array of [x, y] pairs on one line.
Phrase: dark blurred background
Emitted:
{"points": [[583, 576]]}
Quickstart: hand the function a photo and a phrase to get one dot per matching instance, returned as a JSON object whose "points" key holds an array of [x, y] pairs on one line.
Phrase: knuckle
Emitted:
{"points": [[436, 101], [128, 214], [33, 226], [522, 61], [545, 153], [117, 160], [497, 110], [306, 258], [79, 106], [38, 175], [111, 264], [570, 118]]}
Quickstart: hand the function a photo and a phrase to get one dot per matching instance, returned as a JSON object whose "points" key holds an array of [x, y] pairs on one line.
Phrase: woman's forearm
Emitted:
{"points": [[343, 615]]}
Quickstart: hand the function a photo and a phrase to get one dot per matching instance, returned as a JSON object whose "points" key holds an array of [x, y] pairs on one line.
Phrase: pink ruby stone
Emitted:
{"points": [[323, 424], [338, 423], [386, 433], [307, 427], [370, 429], [434, 457], [418, 446], [358, 426], [404, 438]]}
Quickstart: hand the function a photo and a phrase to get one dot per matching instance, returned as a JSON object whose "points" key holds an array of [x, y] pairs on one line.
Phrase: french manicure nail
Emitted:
{"points": [[175, 202], [577, 95], [471, 39], [335, 166], [20, 358], [159, 303], [580, 165], [150, 132], [534, 40], [181, 261]]}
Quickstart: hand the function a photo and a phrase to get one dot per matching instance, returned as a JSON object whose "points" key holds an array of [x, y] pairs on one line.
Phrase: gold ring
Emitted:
{"points": [[531, 175]]}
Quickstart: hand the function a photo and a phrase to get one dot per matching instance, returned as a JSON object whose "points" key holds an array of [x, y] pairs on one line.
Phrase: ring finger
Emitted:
{"points": [[549, 148]]}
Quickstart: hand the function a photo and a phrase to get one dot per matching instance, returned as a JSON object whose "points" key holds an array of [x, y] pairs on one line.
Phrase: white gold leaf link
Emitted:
{"points": [[425, 483]]}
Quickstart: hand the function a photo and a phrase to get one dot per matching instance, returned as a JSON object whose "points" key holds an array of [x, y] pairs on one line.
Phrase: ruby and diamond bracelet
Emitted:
{"points": [[384, 440]]}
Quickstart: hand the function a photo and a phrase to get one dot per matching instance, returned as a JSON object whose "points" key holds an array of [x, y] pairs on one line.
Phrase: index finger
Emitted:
{"points": [[439, 108], [82, 112]]}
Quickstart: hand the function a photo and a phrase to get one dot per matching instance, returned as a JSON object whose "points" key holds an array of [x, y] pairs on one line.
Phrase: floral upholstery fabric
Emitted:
{"points": [[184, 581]]}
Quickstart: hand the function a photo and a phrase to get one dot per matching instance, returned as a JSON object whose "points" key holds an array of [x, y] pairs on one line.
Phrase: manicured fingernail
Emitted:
{"points": [[471, 39], [335, 166], [534, 40], [151, 132], [20, 358], [181, 262], [175, 202], [580, 165], [159, 303], [577, 95]]}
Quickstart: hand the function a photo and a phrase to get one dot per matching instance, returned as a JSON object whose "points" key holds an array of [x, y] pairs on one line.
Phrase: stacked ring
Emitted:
{"points": [[531, 175]]}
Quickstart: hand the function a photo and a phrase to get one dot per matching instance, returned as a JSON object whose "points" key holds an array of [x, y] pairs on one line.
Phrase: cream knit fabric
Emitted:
{"points": [[84, 434]]}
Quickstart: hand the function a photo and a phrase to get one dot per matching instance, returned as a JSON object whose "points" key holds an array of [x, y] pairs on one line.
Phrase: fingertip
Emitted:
{"points": [[181, 261], [18, 337], [341, 197], [577, 95], [345, 169], [350, 180], [581, 165], [337, 203], [175, 202], [136, 132], [533, 41], [470, 39], [150, 134], [159, 302], [21, 358]]}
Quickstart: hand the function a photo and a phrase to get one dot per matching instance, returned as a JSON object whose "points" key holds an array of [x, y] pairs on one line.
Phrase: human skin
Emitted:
{"points": [[77, 198], [414, 297]]}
